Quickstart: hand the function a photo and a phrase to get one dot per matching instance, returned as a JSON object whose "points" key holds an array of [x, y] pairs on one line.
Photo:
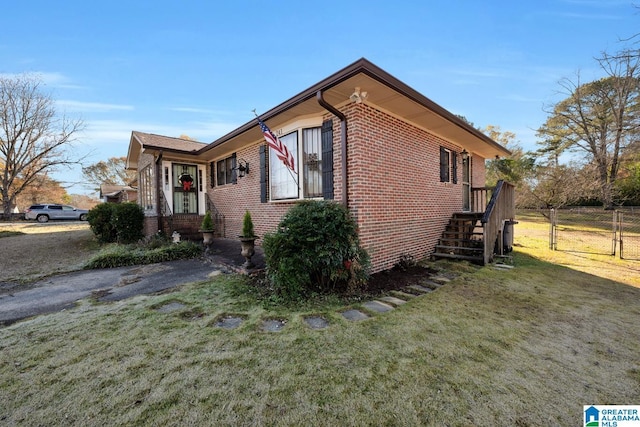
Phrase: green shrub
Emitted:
{"points": [[115, 256], [158, 240], [99, 218], [315, 249], [117, 222], [207, 222], [127, 255], [128, 221], [247, 226]]}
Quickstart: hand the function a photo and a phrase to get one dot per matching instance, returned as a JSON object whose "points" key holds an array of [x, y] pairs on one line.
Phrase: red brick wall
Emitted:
{"points": [[151, 225], [478, 172], [185, 224], [394, 187], [233, 200]]}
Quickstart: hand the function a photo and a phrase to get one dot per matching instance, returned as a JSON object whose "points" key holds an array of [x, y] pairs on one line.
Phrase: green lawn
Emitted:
{"points": [[527, 346]]}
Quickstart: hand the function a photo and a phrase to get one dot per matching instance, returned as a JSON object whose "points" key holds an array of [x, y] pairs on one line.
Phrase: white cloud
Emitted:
{"points": [[118, 132], [57, 80], [98, 107], [194, 110]]}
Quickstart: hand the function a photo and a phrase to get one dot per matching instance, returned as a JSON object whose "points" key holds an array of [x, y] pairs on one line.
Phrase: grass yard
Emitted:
{"points": [[30, 251], [526, 346]]}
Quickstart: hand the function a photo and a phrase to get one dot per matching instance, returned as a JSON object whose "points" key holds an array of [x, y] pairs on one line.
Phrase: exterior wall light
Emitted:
{"points": [[243, 168]]}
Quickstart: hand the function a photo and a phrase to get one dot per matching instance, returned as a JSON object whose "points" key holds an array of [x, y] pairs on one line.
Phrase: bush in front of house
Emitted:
{"points": [[316, 248], [99, 218], [127, 255], [116, 222], [128, 220]]}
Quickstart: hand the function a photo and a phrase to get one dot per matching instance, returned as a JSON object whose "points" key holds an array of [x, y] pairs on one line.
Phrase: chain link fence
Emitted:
{"points": [[629, 231], [596, 231]]}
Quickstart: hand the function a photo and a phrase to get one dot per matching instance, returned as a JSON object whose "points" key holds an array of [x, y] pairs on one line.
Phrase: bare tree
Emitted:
{"points": [[556, 186], [600, 118], [33, 139], [113, 171]]}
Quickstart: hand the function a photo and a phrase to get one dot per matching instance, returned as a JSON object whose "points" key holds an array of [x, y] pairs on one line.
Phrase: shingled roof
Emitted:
{"points": [[150, 140]]}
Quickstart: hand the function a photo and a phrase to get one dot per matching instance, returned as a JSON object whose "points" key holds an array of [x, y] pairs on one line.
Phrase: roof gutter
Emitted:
{"points": [[343, 142]]}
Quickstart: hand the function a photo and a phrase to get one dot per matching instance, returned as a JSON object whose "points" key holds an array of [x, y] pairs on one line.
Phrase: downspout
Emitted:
{"points": [[159, 178], [343, 142]]}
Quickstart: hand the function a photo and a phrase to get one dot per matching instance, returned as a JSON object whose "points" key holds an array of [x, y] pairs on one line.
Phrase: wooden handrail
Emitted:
{"points": [[501, 208], [480, 198]]}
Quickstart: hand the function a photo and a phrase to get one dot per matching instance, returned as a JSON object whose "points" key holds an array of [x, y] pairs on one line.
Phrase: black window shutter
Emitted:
{"points": [[454, 167], [263, 173], [443, 165], [213, 175], [234, 171], [327, 159]]}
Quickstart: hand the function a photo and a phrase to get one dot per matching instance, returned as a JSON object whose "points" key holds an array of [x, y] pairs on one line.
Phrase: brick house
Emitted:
{"points": [[404, 166]]}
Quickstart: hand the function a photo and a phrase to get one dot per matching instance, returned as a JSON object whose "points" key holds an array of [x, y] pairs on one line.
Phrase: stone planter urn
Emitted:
{"points": [[207, 229], [207, 237], [247, 245], [247, 240]]}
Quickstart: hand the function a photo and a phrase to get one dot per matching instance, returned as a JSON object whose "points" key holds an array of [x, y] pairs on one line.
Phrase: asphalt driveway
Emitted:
{"points": [[59, 292]]}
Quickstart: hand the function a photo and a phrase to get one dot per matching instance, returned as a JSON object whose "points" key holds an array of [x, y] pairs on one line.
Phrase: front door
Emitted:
{"points": [[185, 185], [466, 183]]}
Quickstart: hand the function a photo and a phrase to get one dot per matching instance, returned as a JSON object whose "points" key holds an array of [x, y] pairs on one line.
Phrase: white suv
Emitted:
{"points": [[43, 213]]}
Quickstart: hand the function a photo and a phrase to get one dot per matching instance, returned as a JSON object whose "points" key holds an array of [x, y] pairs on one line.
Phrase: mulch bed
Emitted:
{"points": [[396, 279]]}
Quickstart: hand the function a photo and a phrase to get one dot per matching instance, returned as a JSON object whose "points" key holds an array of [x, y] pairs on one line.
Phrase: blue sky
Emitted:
{"points": [[200, 67]]}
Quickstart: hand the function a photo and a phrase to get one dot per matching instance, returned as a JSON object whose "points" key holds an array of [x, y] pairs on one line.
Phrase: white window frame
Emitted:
{"points": [[276, 167], [146, 188]]}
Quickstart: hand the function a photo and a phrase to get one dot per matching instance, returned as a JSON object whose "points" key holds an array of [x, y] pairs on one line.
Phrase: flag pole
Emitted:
{"points": [[290, 172]]}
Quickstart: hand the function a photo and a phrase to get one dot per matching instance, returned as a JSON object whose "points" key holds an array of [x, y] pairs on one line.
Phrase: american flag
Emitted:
{"points": [[281, 150]]}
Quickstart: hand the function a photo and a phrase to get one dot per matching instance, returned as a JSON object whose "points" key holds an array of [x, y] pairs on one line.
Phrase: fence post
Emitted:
{"points": [[614, 233], [620, 223], [553, 240]]}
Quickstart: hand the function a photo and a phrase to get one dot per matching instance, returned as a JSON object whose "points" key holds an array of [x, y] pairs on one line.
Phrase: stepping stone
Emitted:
{"points": [[172, 306], [431, 285], [441, 279], [273, 325], [420, 289], [377, 306], [393, 300], [229, 322], [502, 266], [354, 315], [316, 322], [403, 295]]}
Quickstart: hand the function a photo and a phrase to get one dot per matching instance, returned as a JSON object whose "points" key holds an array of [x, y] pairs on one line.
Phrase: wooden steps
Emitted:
{"points": [[462, 238]]}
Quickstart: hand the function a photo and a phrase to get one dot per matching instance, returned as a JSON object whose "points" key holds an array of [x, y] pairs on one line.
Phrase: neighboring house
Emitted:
{"points": [[118, 193], [402, 164]]}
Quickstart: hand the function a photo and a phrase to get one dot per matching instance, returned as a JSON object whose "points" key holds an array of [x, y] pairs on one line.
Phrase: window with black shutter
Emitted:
{"points": [[444, 164], [327, 160], [264, 167], [226, 171], [454, 167]]}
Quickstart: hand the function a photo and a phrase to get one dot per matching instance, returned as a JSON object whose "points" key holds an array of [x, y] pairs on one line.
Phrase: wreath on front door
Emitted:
{"points": [[186, 180]]}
